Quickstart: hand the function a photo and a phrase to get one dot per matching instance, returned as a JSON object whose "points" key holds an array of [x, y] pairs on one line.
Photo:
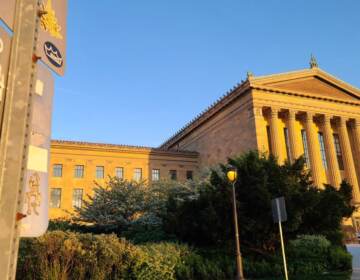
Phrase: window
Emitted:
{"points": [[77, 198], [137, 174], [155, 174], [57, 170], [189, 175], [287, 144], [173, 174], [55, 198], [79, 171], [119, 172], [305, 145], [99, 172], [269, 138], [338, 152], [322, 150]]}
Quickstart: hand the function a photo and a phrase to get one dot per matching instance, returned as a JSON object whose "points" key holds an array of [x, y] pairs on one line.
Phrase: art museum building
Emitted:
{"points": [[306, 112]]}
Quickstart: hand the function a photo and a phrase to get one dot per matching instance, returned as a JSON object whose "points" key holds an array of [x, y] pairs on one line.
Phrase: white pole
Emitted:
{"points": [[283, 251]]}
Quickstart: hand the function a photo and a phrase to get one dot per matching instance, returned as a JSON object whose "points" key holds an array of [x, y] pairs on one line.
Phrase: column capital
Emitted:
{"points": [[274, 111], [309, 116], [292, 114]]}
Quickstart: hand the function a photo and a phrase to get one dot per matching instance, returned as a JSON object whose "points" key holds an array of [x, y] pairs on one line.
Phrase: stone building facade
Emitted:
{"points": [[307, 112], [76, 167]]}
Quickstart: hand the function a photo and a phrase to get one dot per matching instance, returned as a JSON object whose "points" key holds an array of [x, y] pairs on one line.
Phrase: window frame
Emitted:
{"points": [[137, 174], [52, 191], [75, 199], [97, 172], [322, 150], [191, 177], [55, 170], [155, 174], [338, 152], [305, 147], [118, 168], [80, 171], [173, 174]]}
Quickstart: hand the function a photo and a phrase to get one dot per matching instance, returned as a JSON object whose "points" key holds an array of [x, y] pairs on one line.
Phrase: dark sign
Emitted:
{"points": [[53, 54], [279, 210], [52, 34]]}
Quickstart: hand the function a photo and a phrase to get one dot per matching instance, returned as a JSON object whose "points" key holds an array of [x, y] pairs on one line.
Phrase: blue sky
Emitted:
{"points": [[137, 71]]}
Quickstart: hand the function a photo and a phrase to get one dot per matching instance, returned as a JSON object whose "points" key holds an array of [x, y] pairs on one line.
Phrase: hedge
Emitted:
{"points": [[65, 255]]}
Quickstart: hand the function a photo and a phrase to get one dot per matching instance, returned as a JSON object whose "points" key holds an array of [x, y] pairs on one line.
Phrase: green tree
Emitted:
{"points": [[129, 208], [207, 220]]}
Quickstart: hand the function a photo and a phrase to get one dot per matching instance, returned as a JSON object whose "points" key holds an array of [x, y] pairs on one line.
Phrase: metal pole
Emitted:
{"points": [[239, 267], [15, 133], [283, 251]]}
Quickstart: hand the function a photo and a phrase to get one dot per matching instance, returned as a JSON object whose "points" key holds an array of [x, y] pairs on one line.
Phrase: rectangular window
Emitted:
{"points": [[137, 174], [99, 172], [287, 144], [57, 170], [77, 198], [55, 197], [338, 152], [189, 175], [269, 138], [79, 171], [173, 174], [322, 150], [155, 174], [305, 145], [119, 172]]}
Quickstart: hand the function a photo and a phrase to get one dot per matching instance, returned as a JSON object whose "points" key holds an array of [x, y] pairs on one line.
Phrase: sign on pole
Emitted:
{"points": [[7, 12], [279, 210], [35, 205], [279, 215], [51, 47], [5, 42]]}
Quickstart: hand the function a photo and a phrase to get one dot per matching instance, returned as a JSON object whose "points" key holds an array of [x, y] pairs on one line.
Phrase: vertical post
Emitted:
{"points": [[283, 251], [15, 133], [239, 267]]}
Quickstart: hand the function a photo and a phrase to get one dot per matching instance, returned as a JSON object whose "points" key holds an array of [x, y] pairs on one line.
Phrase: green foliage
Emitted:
{"points": [[129, 209], [309, 247], [310, 210], [339, 259], [313, 254], [68, 255]]}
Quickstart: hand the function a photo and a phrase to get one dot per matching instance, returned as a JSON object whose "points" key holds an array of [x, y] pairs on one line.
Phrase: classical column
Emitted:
{"points": [[333, 166], [274, 135], [350, 171], [357, 144], [314, 152], [295, 148]]}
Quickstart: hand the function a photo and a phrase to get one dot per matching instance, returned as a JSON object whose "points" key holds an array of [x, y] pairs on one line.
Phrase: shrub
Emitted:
{"points": [[339, 259], [67, 255]]}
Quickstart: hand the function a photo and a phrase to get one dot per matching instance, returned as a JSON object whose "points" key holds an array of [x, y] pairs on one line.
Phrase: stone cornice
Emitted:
{"points": [[314, 72], [304, 95], [209, 112], [89, 146]]}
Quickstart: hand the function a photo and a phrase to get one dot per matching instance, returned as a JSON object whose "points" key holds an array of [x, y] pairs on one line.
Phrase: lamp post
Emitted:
{"points": [[232, 176]]}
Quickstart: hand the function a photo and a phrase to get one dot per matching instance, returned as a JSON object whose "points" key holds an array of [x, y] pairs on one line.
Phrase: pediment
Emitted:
{"points": [[311, 82]]}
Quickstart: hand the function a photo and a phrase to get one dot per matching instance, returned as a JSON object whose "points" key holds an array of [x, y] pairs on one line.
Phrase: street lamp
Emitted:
{"points": [[232, 176]]}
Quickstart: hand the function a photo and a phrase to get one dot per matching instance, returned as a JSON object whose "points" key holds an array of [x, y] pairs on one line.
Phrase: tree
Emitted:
{"points": [[131, 209], [207, 220]]}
